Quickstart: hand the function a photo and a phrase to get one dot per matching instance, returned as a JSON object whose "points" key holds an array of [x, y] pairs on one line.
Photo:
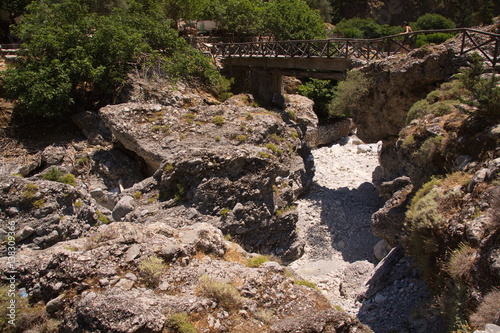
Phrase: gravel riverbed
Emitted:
{"points": [[334, 222]]}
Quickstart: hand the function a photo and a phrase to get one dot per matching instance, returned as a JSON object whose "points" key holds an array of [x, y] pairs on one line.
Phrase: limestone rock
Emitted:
{"points": [[387, 222], [123, 207], [218, 158], [47, 211], [328, 133], [116, 299], [398, 84]]}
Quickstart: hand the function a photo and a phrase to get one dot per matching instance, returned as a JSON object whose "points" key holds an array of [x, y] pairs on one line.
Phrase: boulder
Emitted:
{"points": [[217, 158], [46, 212]]}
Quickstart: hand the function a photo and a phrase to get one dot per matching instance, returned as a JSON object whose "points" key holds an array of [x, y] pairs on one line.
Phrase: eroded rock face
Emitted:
{"points": [[300, 108], [397, 84], [41, 213], [194, 265], [241, 163]]}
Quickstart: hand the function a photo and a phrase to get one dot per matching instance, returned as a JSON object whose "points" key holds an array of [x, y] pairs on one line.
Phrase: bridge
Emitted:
{"points": [[260, 66]]}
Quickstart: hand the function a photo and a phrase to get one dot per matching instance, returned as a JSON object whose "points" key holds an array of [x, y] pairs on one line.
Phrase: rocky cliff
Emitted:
{"points": [[439, 173], [131, 229]]}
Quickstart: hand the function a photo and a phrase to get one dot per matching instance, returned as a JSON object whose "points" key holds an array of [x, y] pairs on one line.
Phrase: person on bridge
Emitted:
{"points": [[408, 40], [407, 27]]}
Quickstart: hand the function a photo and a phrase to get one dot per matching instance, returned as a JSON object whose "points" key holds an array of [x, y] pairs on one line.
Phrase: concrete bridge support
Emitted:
{"points": [[263, 77], [260, 82]]}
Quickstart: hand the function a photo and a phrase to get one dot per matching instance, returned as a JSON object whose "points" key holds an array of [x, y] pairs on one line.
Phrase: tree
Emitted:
{"points": [[292, 19], [324, 7], [15, 7], [241, 17], [71, 56], [364, 28], [485, 13], [433, 21]]}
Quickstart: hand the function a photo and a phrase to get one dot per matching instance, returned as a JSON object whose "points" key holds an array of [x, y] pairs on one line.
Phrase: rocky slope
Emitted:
{"points": [[128, 231], [439, 174]]}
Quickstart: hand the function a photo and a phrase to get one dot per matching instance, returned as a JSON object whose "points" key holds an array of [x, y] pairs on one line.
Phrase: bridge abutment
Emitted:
{"points": [[263, 77]]}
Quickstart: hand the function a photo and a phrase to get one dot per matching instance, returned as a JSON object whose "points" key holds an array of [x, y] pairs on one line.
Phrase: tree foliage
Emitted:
{"points": [[321, 92], [71, 56], [284, 19], [324, 7], [241, 17], [364, 28], [292, 19], [433, 21]]}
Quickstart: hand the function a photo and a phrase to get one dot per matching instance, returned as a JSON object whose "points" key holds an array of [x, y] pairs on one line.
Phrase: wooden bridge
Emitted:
{"points": [[259, 66]]}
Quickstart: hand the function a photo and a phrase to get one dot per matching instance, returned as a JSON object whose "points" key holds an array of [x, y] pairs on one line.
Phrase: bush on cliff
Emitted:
{"points": [[348, 93], [74, 57]]}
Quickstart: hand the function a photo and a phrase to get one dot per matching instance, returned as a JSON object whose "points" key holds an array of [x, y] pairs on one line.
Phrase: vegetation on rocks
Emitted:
{"points": [[452, 219], [71, 56]]}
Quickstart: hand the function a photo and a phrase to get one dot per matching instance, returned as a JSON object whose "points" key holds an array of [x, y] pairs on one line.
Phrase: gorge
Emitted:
{"points": [[175, 210]]}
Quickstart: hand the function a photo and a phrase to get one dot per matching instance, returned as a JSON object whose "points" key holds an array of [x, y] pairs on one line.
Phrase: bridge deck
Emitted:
{"points": [[486, 43]]}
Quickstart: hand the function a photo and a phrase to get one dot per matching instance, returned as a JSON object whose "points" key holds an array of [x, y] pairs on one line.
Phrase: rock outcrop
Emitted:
{"points": [[397, 83], [42, 213], [135, 278], [300, 109], [241, 163]]}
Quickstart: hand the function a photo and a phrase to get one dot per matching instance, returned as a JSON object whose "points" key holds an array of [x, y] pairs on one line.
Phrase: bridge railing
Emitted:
{"points": [[486, 43]]}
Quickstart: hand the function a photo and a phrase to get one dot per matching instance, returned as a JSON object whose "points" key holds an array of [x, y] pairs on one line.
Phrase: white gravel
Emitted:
{"points": [[334, 221]]}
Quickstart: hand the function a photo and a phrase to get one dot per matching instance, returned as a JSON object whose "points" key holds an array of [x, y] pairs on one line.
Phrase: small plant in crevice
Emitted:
{"points": [[29, 191], [218, 120], [224, 293], [151, 270], [102, 218], [181, 192], [257, 260], [180, 323], [54, 174], [224, 211], [306, 283]]}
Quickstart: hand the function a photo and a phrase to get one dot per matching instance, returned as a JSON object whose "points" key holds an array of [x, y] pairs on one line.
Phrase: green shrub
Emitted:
{"points": [[54, 174], [224, 211], [151, 271], [257, 261], [485, 92], [349, 93], [102, 218], [38, 203], [169, 167], [218, 120], [431, 21], [274, 148], [320, 91], [181, 192], [29, 191], [241, 138], [224, 293], [82, 161], [29, 318], [180, 323], [429, 150], [306, 284], [70, 56], [137, 195], [364, 28]]}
